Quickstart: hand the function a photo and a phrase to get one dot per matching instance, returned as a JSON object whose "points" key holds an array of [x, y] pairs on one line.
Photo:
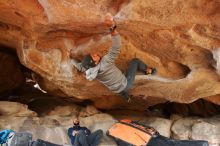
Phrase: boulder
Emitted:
{"points": [[11, 76], [162, 125], [53, 126], [182, 128], [208, 129], [195, 128], [180, 38], [15, 109]]}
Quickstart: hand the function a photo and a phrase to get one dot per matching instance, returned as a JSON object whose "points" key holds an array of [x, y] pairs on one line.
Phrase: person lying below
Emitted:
{"points": [[81, 136]]}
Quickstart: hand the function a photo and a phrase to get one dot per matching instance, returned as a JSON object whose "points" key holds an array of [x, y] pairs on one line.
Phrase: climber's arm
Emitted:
{"points": [[116, 44], [78, 65]]}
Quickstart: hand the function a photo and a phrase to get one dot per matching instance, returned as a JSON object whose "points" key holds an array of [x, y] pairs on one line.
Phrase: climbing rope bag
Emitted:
{"points": [[130, 133]]}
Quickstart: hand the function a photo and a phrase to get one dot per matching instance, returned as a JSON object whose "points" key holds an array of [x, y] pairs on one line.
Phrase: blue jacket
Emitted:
{"points": [[77, 128]]}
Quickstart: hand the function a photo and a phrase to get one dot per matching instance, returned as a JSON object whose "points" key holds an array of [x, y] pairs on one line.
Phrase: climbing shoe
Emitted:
{"points": [[125, 96]]}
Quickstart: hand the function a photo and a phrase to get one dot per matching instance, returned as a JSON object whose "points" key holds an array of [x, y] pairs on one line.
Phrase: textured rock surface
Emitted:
{"points": [[162, 125], [53, 126], [200, 108], [182, 128], [207, 128], [11, 76], [179, 37], [15, 109], [197, 128]]}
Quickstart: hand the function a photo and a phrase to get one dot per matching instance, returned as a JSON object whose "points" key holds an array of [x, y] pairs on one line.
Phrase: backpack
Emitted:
{"points": [[40, 142], [4, 136], [21, 139], [129, 133]]}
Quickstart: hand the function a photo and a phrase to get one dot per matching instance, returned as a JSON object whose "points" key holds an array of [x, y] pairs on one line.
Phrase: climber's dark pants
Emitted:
{"points": [[134, 66], [164, 141]]}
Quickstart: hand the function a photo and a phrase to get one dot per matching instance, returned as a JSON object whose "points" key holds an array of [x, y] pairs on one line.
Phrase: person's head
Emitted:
{"points": [[151, 71], [91, 60], [76, 122]]}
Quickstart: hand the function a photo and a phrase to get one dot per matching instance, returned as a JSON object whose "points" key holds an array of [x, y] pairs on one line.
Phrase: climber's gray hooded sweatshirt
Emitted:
{"points": [[106, 72]]}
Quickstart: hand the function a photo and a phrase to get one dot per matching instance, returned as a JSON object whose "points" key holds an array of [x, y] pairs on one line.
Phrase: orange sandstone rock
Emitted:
{"points": [[177, 37]]}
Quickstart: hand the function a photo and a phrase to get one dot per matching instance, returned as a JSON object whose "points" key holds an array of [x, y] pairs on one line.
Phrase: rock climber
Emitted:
{"points": [[104, 69]]}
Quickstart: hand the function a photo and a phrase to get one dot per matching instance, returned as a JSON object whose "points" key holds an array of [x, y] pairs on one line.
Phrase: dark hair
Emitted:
{"points": [[88, 62], [76, 122], [154, 71]]}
